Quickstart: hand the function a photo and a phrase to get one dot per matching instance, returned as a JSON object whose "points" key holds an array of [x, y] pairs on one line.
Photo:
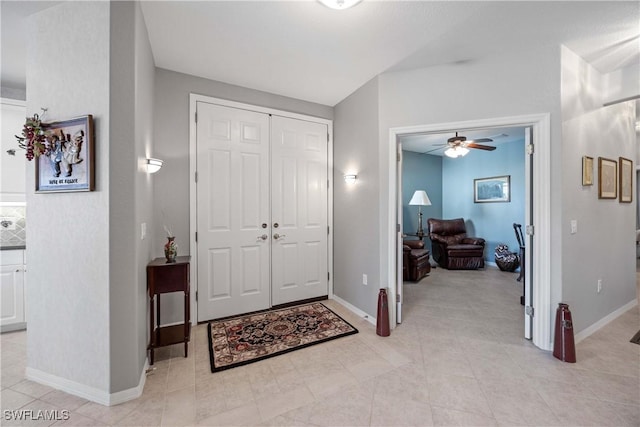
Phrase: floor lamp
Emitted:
{"points": [[420, 199]]}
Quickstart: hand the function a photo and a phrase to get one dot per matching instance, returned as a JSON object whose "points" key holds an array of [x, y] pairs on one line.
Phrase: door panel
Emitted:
{"points": [[299, 207], [233, 202]]}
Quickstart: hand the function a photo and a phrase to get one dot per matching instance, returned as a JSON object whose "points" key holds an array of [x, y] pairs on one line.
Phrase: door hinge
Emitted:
{"points": [[196, 295], [397, 228], [529, 230], [529, 149], [196, 236], [327, 230], [528, 310], [327, 137], [196, 117], [328, 275], [327, 183], [195, 176]]}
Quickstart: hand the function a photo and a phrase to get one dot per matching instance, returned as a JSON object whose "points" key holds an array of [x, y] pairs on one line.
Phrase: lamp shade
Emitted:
{"points": [[420, 198]]}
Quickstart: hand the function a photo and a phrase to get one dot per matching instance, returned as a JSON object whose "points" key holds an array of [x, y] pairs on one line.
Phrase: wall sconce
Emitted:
{"points": [[350, 179], [153, 165]]}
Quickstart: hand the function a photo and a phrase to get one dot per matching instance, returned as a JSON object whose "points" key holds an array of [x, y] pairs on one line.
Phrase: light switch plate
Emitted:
{"points": [[574, 226]]}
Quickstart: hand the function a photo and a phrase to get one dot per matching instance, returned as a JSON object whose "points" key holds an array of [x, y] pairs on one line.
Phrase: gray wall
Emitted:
{"points": [[509, 83], [87, 283], [356, 207], [605, 227], [68, 234], [131, 115], [171, 144]]}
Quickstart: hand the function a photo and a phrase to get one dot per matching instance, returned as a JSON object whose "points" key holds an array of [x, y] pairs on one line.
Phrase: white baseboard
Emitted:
{"points": [[354, 309], [605, 320], [87, 392]]}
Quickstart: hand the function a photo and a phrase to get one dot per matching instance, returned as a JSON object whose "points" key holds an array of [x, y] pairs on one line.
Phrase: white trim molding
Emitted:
{"points": [[355, 310], [87, 392], [604, 321], [541, 251]]}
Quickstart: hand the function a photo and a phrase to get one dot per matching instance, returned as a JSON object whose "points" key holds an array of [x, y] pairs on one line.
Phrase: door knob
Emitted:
{"points": [[278, 236], [263, 237]]}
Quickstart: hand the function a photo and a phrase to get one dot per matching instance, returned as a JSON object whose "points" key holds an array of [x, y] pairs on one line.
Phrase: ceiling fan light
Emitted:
{"points": [[451, 152], [462, 151], [339, 4]]}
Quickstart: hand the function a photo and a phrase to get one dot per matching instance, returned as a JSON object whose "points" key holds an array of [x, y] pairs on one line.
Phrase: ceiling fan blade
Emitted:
{"points": [[482, 140], [480, 146]]}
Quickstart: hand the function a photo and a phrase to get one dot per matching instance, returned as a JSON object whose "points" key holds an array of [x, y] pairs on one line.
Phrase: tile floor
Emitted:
{"points": [[458, 359]]}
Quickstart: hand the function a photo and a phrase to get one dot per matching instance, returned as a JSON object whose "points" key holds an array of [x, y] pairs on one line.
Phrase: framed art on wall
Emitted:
{"points": [[626, 180], [587, 170], [69, 165], [607, 178], [493, 189]]}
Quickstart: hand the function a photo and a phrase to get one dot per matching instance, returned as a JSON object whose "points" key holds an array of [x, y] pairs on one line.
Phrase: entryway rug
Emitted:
{"points": [[636, 338], [248, 338]]}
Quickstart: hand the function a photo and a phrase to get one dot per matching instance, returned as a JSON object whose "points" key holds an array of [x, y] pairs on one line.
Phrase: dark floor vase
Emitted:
{"points": [[564, 347], [382, 322]]}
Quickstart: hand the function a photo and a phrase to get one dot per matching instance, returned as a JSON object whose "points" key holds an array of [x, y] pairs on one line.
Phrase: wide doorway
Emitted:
{"points": [[261, 209], [538, 299]]}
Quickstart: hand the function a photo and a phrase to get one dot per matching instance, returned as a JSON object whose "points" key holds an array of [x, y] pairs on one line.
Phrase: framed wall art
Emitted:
{"points": [[493, 189], [69, 164], [607, 178], [626, 180], [587, 170]]}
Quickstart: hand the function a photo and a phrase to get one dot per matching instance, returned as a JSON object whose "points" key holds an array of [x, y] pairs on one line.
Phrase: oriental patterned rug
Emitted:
{"points": [[249, 338]]}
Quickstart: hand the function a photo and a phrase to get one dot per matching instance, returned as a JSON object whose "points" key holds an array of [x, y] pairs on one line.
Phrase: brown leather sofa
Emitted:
{"points": [[451, 247], [415, 260]]}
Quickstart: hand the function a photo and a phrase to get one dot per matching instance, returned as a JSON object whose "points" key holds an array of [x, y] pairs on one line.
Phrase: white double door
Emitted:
{"points": [[261, 210]]}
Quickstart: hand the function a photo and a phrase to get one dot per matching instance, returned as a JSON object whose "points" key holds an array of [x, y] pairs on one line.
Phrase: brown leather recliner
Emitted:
{"points": [[415, 260], [451, 247]]}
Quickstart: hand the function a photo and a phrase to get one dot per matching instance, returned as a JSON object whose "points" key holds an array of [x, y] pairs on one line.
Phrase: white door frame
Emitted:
{"points": [[193, 248], [540, 251]]}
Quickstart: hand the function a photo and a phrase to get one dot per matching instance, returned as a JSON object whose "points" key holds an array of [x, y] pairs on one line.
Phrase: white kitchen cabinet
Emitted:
{"points": [[12, 290]]}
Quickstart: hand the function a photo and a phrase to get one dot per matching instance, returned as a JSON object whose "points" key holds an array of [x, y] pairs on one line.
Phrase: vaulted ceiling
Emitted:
{"points": [[304, 50]]}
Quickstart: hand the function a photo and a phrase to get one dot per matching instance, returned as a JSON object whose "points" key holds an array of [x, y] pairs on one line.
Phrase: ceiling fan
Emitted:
{"points": [[459, 145]]}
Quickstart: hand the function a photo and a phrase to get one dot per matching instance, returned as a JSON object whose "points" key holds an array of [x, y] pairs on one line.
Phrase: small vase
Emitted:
{"points": [[170, 249]]}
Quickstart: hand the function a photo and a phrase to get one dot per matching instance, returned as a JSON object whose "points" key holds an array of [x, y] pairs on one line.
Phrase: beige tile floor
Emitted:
{"points": [[458, 359]]}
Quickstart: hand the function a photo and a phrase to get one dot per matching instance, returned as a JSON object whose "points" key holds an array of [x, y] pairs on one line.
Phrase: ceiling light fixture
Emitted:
{"points": [[454, 152], [339, 4]]}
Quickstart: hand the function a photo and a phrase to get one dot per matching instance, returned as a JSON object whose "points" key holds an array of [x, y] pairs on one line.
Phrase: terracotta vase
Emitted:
{"points": [[170, 249]]}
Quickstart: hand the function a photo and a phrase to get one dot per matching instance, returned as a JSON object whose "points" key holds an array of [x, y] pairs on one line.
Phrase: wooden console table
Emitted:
{"points": [[162, 278]]}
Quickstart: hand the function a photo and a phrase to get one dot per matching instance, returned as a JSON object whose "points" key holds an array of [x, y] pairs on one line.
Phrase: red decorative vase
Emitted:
{"points": [[170, 249], [564, 347], [382, 321]]}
